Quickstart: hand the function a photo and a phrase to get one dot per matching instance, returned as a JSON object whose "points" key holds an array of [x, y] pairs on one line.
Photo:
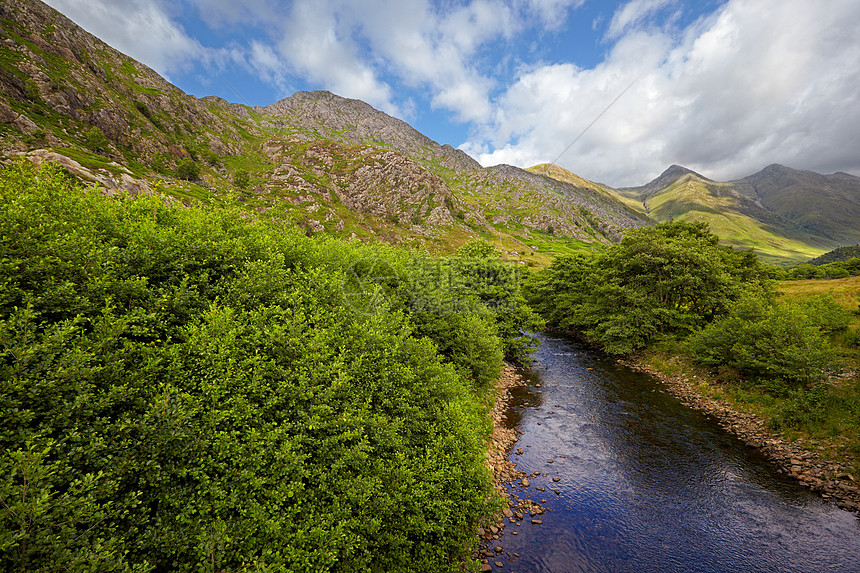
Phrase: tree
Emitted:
{"points": [[779, 341], [96, 140], [671, 279], [241, 179], [188, 169]]}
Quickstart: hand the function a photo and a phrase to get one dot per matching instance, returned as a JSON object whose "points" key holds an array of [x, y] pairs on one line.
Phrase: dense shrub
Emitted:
{"points": [[780, 341], [184, 389], [96, 140], [241, 179], [188, 169], [832, 270]]}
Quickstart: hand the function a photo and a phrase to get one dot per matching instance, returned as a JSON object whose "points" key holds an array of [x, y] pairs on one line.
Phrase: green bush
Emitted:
{"points": [[185, 389], [803, 410], [668, 280], [241, 179], [188, 169], [161, 163], [96, 140], [143, 109], [773, 341]]}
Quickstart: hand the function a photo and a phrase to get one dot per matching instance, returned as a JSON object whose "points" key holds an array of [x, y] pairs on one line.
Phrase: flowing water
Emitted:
{"points": [[646, 484]]}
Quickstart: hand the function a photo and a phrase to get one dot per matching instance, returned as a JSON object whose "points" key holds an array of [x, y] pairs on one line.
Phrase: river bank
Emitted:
{"points": [[505, 473], [809, 465]]}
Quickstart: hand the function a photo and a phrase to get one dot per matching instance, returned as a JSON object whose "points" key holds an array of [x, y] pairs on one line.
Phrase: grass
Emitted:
{"points": [[832, 426], [689, 199], [89, 159], [845, 291]]}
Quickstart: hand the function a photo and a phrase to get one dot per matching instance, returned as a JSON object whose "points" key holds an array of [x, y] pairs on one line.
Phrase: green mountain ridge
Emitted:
{"points": [[786, 216]]}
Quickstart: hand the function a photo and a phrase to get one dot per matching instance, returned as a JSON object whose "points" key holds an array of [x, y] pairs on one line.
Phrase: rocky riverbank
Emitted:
{"points": [[505, 473], [805, 464]]}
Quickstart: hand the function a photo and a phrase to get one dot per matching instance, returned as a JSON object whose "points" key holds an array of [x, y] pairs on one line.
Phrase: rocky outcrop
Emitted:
{"points": [[116, 178], [324, 115], [365, 179]]}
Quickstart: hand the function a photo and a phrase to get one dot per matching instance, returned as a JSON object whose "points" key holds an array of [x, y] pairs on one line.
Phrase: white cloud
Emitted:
{"points": [[553, 13], [320, 44], [226, 13], [632, 13], [140, 29], [755, 83], [361, 50]]}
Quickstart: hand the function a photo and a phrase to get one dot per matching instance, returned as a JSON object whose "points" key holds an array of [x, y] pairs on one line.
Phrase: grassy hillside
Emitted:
{"points": [[846, 291], [692, 199], [826, 205]]}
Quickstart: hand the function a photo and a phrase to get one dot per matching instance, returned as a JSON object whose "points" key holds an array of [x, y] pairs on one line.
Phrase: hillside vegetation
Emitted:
{"points": [[326, 163], [192, 389], [841, 254]]}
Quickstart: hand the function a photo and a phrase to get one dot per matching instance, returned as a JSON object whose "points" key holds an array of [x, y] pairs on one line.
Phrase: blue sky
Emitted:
{"points": [[724, 87]]}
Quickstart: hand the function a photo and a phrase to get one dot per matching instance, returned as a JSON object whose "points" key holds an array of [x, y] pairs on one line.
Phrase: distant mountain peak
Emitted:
{"points": [[665, 179], [678, 171]]}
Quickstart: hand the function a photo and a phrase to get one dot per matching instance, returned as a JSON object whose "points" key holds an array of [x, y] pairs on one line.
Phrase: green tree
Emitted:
{"points": [[241, 179], [188, 169], [778, 341], [161, 163], [671, 279], [96, 140]]}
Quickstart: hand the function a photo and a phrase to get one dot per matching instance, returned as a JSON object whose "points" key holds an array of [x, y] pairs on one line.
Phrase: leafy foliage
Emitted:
{"points": [[185, 389], [843, 254], [779, 341], [671, 279], [188, 169], [96, 140], [832, 270], [241, 179]]}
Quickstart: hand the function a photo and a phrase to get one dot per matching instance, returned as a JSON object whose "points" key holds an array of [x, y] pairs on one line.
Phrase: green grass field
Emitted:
{"points": [[845, 291]]}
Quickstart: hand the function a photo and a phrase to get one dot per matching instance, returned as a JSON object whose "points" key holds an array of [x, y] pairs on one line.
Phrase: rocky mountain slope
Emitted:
{"points": [[317, 160]]}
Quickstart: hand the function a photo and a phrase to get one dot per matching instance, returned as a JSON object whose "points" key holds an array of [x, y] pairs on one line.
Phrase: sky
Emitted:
{"points": [[615, 91]]}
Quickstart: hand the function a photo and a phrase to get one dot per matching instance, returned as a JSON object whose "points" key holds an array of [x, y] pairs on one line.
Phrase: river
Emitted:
{"points": [[646, 484]]}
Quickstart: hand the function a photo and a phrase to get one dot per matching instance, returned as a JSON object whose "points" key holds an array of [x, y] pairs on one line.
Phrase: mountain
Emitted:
{"points": [[316, 160], [667, 178], [827, 205], [787, 216]]}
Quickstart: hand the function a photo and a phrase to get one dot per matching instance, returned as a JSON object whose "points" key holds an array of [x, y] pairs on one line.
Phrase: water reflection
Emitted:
{"points": [[646, 484]]}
